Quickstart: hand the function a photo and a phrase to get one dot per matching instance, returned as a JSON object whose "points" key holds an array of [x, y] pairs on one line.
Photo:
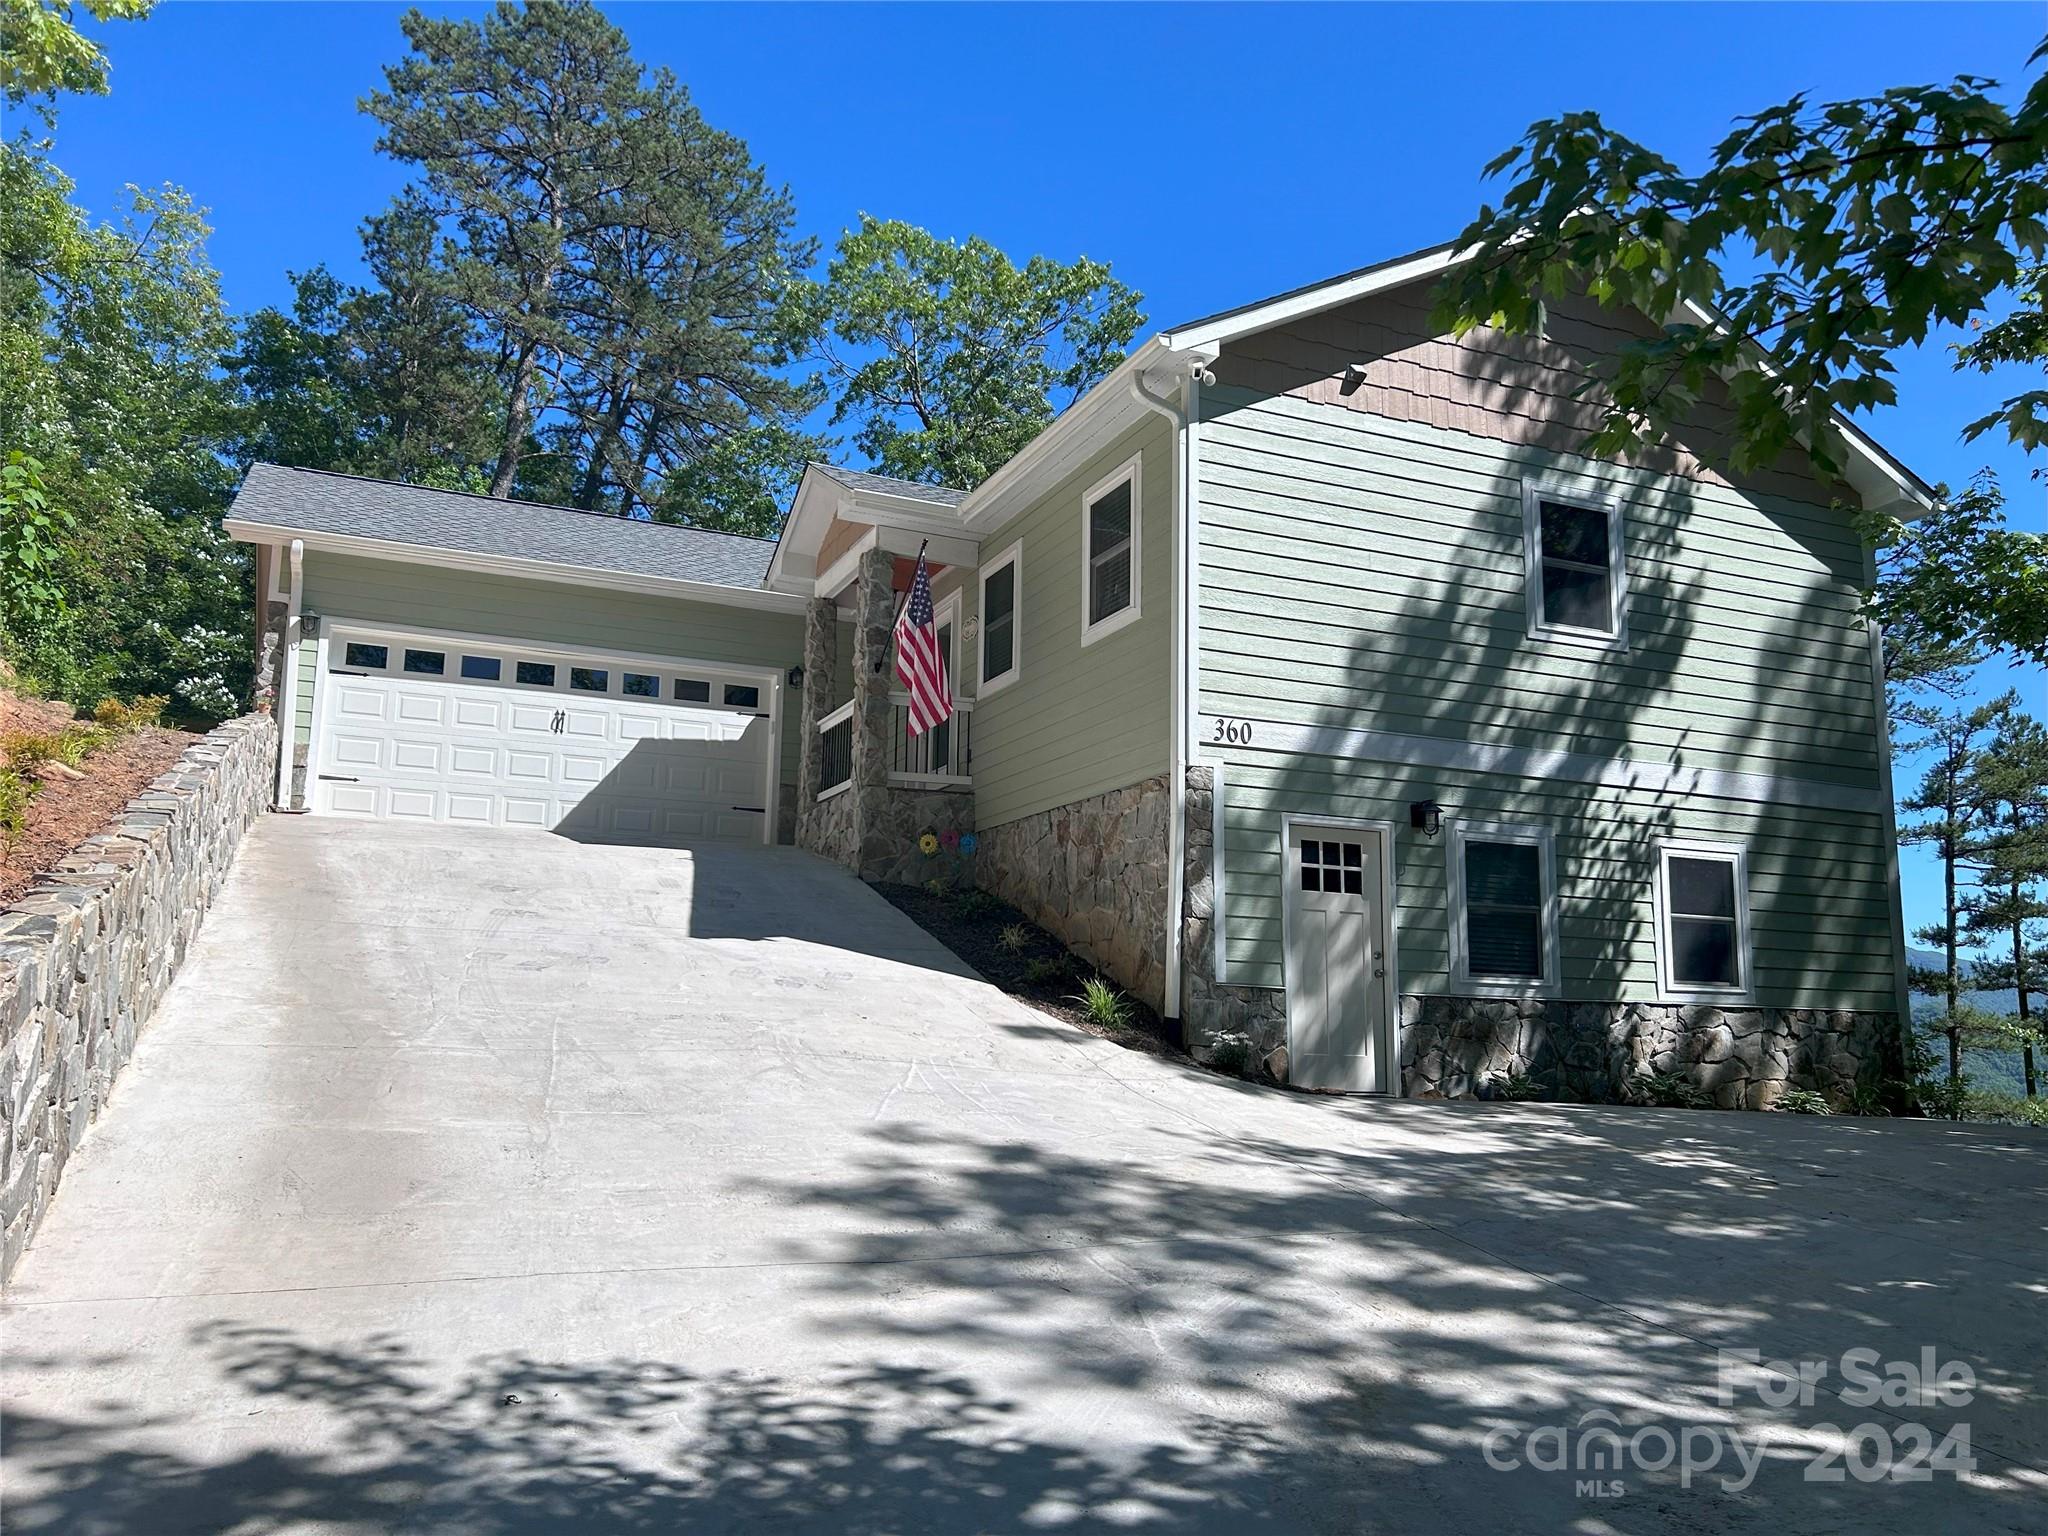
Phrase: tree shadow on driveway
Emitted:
{"points": [[1237, 1334]]}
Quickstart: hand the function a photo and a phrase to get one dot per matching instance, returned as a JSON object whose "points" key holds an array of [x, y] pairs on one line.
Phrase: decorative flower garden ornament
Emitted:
{"points": [[950, 838], [967, 842], [927, 845]]}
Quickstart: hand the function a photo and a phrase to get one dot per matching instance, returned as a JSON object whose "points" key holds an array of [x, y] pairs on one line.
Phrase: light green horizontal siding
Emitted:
{"points": [[1819, 899], [302, 696], [1078, 722], [396, 592], [1355, 568], [1363, 573]]}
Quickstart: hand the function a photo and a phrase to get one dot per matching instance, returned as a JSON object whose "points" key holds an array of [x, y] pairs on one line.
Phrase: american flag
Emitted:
{"points": [[919, 666]]}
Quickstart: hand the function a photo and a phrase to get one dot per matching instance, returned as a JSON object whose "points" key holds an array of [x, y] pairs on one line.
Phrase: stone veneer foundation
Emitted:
{"points": [[1744, 1058], [87, 953], [1094, 874]]}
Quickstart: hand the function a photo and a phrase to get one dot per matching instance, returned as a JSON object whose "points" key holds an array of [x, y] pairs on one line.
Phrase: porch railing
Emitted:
{"points": [[835, 742], [942, 757]]}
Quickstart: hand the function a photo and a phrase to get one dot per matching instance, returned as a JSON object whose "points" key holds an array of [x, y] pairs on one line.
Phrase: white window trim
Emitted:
{"points": [[1133, 470], [1463, 983], [1578, 493], [983, 684], [1669, 989], [947, 611]]}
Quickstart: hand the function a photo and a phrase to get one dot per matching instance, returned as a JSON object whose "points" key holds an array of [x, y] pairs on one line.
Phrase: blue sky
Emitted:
{"points": [[1213, 154]]}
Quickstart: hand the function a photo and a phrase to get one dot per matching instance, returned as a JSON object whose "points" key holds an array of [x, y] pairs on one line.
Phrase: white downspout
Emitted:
{"points": [[1177, 757], [287, 705]]}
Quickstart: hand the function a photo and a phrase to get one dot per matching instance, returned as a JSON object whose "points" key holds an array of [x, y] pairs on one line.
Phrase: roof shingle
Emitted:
{"points": [[320, 501], [889, 485]]}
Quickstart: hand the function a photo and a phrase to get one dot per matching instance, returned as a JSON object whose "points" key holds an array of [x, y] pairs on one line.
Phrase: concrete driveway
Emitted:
{"points": [[496, 1183]]}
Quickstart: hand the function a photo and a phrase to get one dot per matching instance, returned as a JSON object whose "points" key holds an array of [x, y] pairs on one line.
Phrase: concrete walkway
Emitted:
{"points": [[495, 1183]]}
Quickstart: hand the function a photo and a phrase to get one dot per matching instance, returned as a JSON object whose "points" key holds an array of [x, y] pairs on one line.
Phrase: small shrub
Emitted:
{"points": [[1516, 1088], [1874, 1098], [936, 888], [1014, 939], [24, 749], [1669, 1090], [1045, 969], [1106, 1007], [76, 742], [137, 714], [15, 794], [1943, 1099], [1803, 1101], [1231, 1052], [2009, 1109], [972, 904]]}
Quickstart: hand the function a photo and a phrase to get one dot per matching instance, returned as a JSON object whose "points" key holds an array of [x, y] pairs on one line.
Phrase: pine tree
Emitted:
{"points": [[1951, 822], [2008, 781]]}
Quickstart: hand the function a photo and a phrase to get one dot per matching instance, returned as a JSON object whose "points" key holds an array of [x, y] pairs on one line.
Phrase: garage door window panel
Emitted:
{"points": [[374, 658], [482, 669], [535, 674], [426, 663], [692, 690]]}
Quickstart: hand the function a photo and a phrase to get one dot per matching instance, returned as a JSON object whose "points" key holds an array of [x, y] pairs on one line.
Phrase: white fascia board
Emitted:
{"points": [[1211, 334], [904, 512], [1111, 395], [515, 565], [803, 530]]}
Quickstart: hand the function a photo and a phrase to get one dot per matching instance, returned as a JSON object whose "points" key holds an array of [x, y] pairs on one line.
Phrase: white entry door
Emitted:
{"points": [[499, 735], [1336, 962]]}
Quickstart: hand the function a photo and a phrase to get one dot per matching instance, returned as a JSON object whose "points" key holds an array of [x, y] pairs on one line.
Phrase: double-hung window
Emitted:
{"points": [[1577, 573], [1110, 536], [1703, 920], [1503, 886], [1002, 608]]}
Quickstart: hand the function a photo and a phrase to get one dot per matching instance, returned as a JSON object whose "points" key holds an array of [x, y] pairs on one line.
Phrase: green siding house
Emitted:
{"points": [[1311, 682]]}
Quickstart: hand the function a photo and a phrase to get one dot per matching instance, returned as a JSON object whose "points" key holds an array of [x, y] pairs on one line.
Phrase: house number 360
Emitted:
{"points": [[1238, 733]]}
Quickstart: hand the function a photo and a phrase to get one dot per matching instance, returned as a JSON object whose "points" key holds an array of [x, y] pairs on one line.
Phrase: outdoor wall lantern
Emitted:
{"points": [[1426, 817], [795, 677]]}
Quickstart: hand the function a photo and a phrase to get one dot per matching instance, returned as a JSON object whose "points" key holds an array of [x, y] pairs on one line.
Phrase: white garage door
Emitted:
{"points": [[499, 735]]}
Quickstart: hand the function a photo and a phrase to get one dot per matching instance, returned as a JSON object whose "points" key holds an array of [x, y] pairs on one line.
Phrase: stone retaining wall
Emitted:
{"points": [[88, 952], [1094, 874]]}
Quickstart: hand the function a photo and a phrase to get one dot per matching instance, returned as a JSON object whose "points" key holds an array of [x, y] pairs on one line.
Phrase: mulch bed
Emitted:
{"points": [[1042, 972], [65, 812]]}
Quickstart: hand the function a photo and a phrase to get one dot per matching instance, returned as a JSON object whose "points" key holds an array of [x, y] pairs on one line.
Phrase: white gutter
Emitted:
{"points": [[1177, 768], [286, 705], [1179, 624]]}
